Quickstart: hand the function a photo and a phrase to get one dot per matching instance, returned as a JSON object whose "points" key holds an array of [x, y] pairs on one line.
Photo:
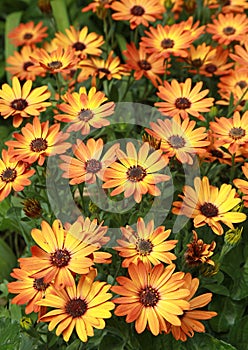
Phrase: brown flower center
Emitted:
{"points": [[216, 153], [229, 30], [85, 115], [93, 166], [210, 68], [76, 307], [55, 65], [26, 65], [149, 296], [242, 84], [209, 210], [60, 258], [8, 175], [79, 46], [197, 63], [19, 104], [137, 10], [167, 43], [38, 145], [136, 173], [237, 133], [176, 141], [182, 103], [103, 70], [144, 246], [27, 36], [143, 64], [32, 208], [40, 285]]}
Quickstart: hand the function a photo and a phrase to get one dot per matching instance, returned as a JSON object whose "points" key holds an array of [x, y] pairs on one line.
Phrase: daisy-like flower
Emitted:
{"points": [[59, 256], [21, 66], [147, 244], [85, 110], [178, 98], [242, 185], [166, 41], [231, 133], [137, 12], [13, 175], [38, 141], [239, 95], [28, 34], [144, 64], [192, 28], [207, 204], [97, 5], [151, 297], [83, 307], [59, 60], [81, 41], [234, 6], [241, 54], [179, 138], [29, 290], [136, 173], [198, 252], [89, 162], [198, 56], [237, 77], [20, 102], [228, 28], [190, 320], [217, 64]]}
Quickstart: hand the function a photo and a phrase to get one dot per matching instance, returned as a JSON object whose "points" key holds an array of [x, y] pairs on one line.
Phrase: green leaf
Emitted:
{"points": [[60, 14], [9, 334], [239, 334], [7, 261], [203, 341], [217, 289], [112, 342]]}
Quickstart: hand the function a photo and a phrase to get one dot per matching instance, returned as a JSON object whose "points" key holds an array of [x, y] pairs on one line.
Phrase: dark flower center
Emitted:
{"points": [[182, 103], [32, 208], [209, 210], [149, 296], [242, 84], [197, 62], [237, 133], [136, 173], [40, 285], [210, 68], [27, 36], [76, 307], [103, 70], [144, 246], [167, 43], [8, 175], [19, 104], [229, 30], [60, 258], [79, 46], [216, 153], [26, 65], [137, 10], [144, 65], [55, 65], [93, 166], [38, 145], [176, 141], [85, 115]]}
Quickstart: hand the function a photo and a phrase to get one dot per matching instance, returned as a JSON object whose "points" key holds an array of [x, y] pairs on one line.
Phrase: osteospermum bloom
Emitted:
{"points": [[85, 110], [81, 41], [238, 95], [199, 55], [38, 141], [151, 297], [89, 162], [28, 34], [231, 133], [20, 102], [190, 320], [242, 185], [236, 77], [59, 255], [166, 41], [13, 175], [228, 28], [241, 54], [29, 290], [218, 64], [136, 173], [179, 138], [178, 98], [137, 12], [207, 204], [82, 307], [147, 244]]}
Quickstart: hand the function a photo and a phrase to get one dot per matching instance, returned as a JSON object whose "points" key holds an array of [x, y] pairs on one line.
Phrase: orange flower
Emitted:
{"points": [[190, 318], [180, 99], [235, 6], [135, 173], [89, 162], [151, 297], [137, 12], [178, 138], [199, 55], [82, 307], [146, 244], [28, 34], [96, 5], [59, 257], [239, 95], [84, 110], [241, 54], [217, 64], [38, 141], [20, 102], [242, 185], [13, 175], [209, 205], [237, 77]]}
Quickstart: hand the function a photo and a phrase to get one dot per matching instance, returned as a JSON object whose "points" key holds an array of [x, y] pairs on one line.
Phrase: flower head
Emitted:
{"points": [[28, 34], [242, 185]]}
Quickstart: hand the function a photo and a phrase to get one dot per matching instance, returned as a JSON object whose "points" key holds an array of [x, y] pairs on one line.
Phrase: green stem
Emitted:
{"points": [[233, 167], [237, 104]]}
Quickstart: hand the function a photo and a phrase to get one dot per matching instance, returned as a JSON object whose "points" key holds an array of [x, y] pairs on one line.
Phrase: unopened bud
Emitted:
{"points": [[233, 237]]}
